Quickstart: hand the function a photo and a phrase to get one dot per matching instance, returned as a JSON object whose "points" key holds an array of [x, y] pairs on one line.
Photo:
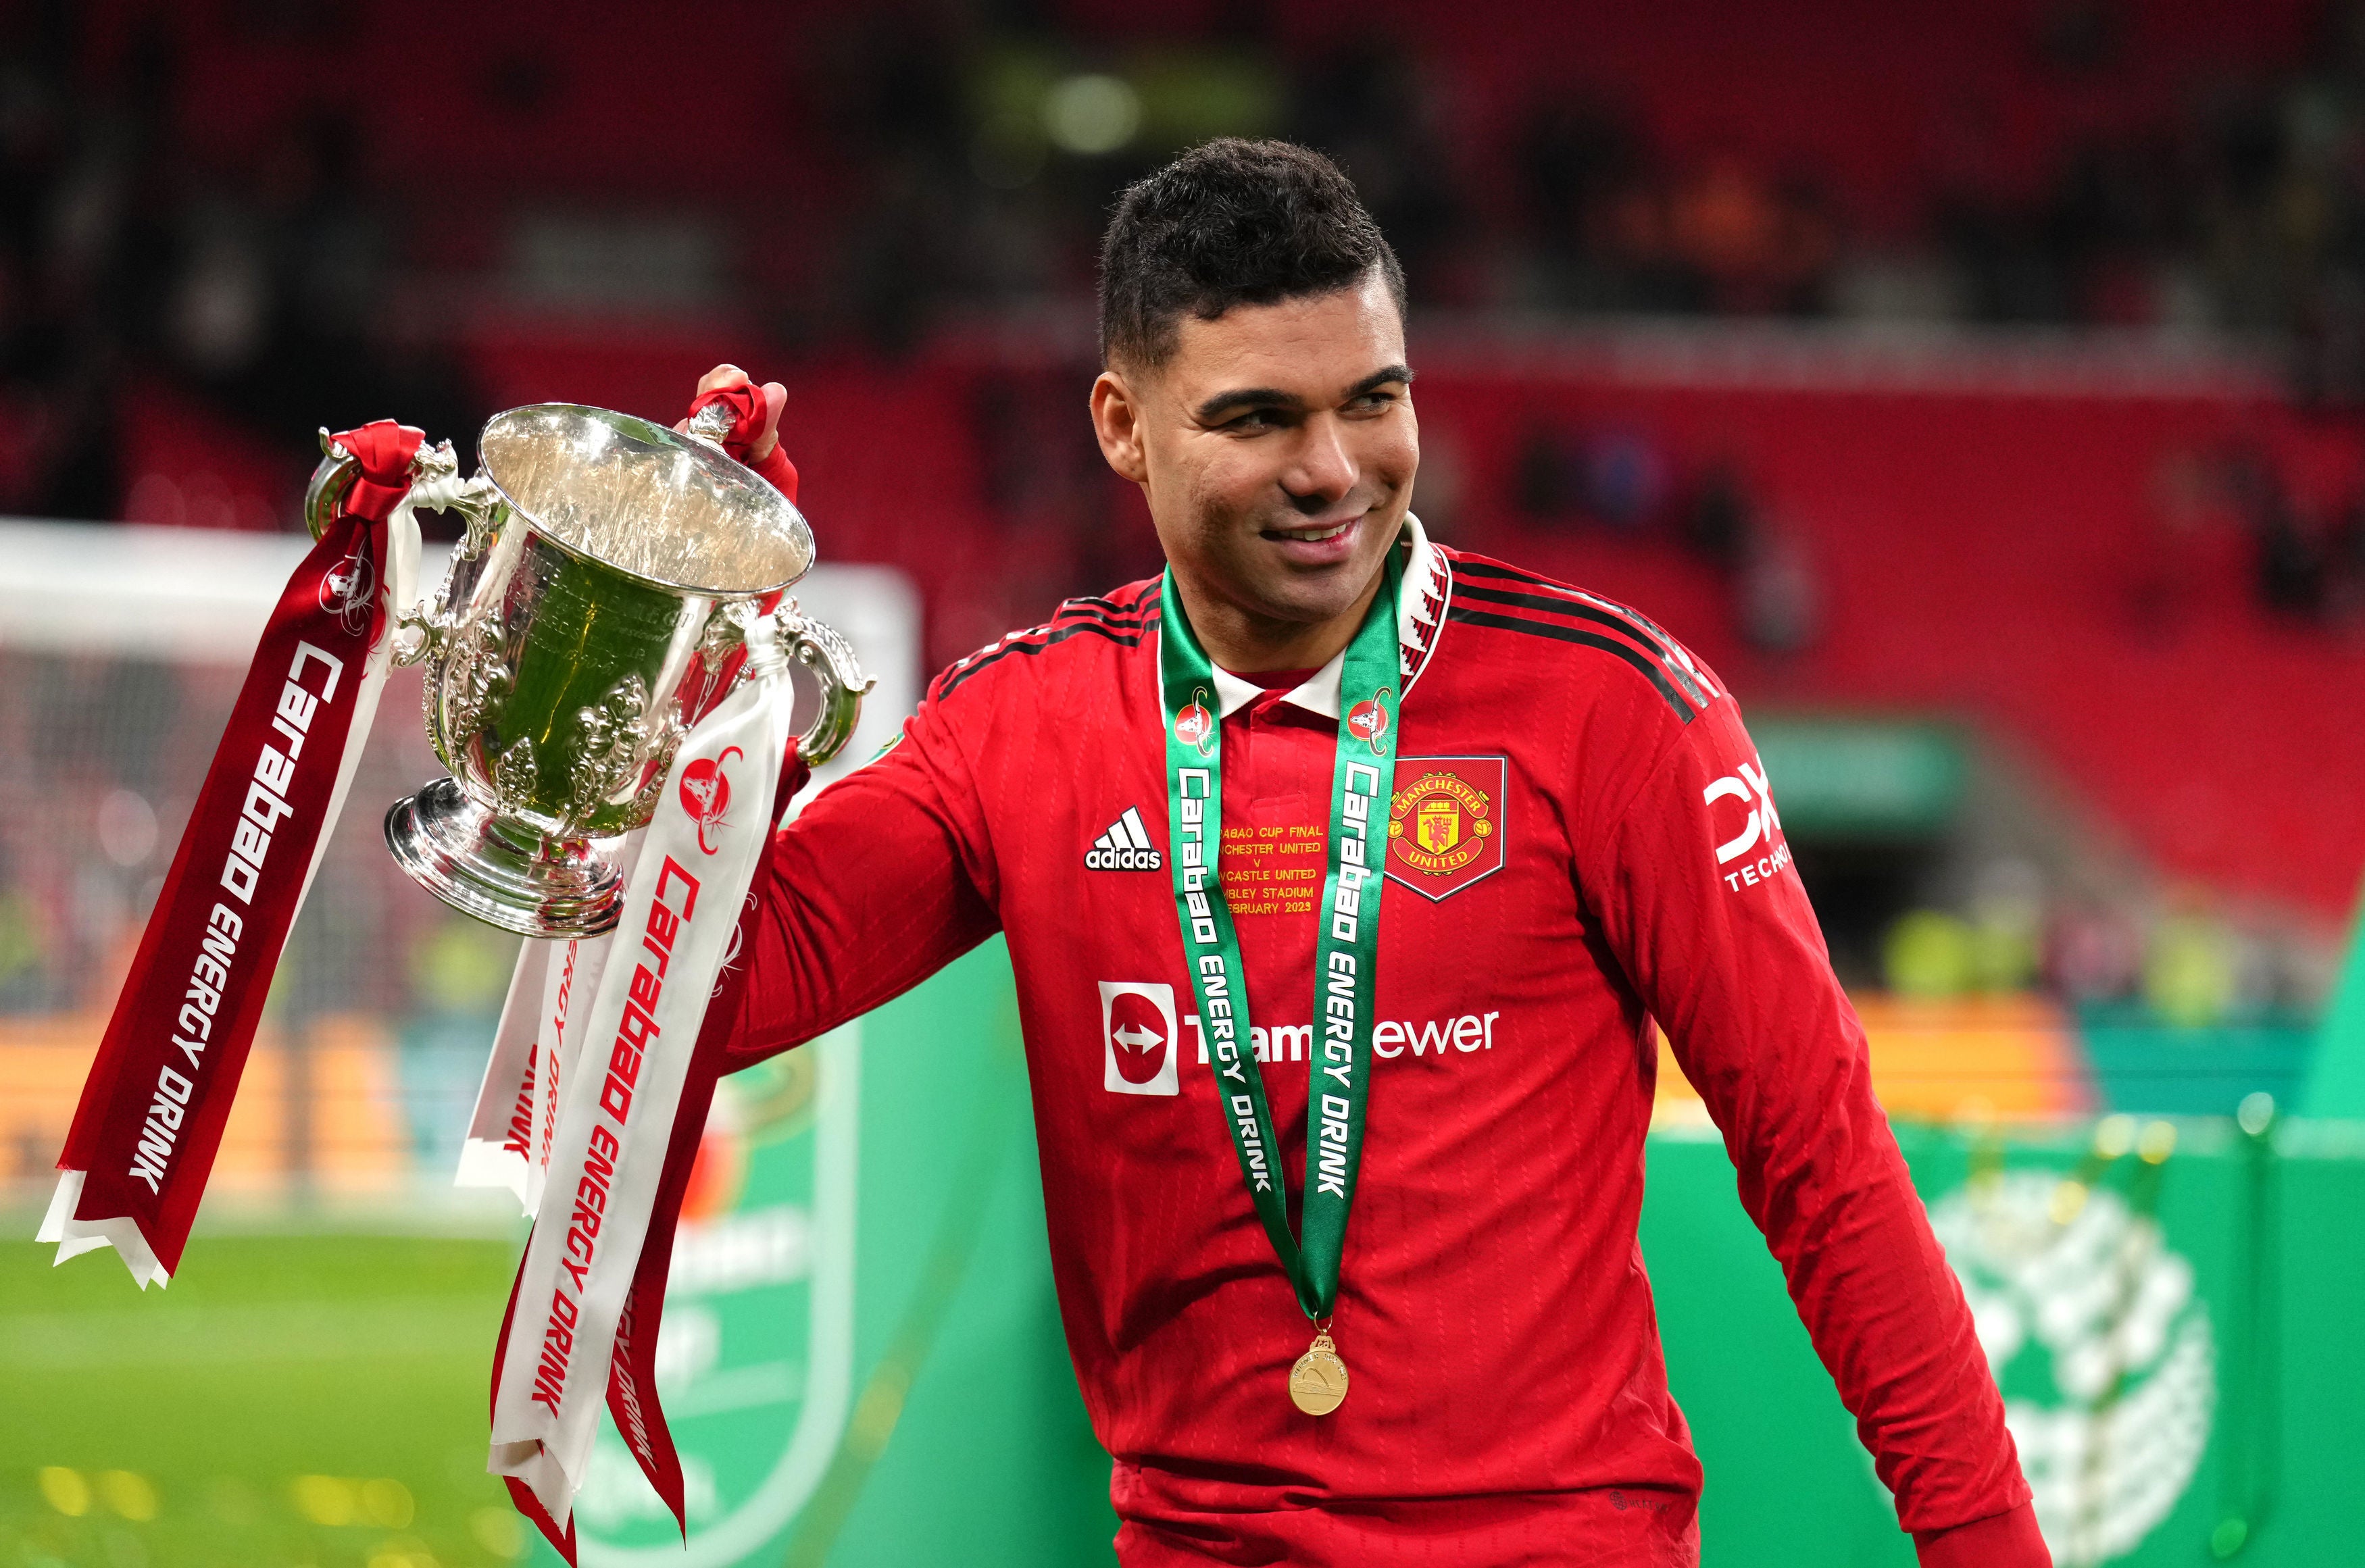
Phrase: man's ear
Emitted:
{"points": [[1117, 418]]}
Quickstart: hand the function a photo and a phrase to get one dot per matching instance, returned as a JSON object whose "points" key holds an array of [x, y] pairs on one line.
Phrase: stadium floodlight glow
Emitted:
{"points": [[1092, 114]]}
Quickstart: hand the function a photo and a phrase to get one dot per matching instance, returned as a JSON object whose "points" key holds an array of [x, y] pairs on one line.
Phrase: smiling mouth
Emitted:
{"points": [[1312, 535]]}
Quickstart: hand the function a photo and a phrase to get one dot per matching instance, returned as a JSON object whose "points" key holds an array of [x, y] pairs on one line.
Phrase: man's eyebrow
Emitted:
{"points": [[1274, 397], [1380, 379], [1247, 397]]}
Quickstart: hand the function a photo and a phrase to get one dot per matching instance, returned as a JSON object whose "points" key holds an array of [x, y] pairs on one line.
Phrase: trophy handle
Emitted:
{"points": [[435, 483], [823, 650]]}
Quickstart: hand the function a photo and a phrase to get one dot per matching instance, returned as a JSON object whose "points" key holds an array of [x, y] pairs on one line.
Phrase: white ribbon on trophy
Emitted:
{"points": [[533, 1056], [622, 1060]]}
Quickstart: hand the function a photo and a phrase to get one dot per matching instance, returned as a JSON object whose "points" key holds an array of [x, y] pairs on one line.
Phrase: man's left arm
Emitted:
{"points": [[1692, 878]]}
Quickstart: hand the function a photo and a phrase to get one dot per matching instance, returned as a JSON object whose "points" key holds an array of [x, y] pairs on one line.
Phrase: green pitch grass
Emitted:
{"points": [[312, 1400]]}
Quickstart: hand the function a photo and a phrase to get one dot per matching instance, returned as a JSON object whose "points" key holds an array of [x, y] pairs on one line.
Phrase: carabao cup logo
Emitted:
{"points": [[1368, 721], [347, 589], [1195, 725], [2100, 1344], [706, 793]]}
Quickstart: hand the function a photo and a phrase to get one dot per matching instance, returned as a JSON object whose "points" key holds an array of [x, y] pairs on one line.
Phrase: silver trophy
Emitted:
{"points": [[597, 608]]}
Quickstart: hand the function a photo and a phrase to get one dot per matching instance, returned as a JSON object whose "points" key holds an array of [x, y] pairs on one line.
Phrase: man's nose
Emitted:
{"points": [[1321, 471]]}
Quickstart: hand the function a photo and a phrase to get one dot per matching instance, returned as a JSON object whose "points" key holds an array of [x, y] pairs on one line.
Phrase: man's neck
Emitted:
{"points": [[1244, 642]]}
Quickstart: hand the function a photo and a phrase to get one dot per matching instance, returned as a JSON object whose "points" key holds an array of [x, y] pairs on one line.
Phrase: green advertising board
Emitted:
{"points": [[2176, 1342], [1862, 778], [864, 1366], [2336, 1081]]}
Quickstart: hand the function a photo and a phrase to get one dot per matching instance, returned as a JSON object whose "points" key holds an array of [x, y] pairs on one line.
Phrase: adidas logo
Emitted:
{"points": [[1125, 847]]}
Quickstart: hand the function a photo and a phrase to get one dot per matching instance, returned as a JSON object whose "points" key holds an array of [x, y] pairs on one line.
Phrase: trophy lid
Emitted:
{"points": [[667, 507]]}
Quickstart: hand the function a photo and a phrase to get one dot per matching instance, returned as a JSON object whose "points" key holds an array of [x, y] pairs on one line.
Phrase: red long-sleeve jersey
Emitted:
{"points": [[1581, 840]]}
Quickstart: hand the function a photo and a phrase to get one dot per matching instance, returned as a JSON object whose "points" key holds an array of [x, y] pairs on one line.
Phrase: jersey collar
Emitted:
{"points": [[1318, 694], [1424, 580]]}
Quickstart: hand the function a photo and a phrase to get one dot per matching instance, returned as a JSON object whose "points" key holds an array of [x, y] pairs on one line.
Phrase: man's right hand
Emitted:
{"points": [[723, 377]]}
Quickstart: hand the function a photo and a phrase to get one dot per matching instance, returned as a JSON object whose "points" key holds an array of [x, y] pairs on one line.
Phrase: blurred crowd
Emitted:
{"points": [[954, 163], [957, 160], [147, 294], [2183, 963], [2238, 203]]}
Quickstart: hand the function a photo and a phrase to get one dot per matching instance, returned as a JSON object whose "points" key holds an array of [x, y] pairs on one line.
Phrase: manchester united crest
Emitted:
{"points": [[1445, 823]]}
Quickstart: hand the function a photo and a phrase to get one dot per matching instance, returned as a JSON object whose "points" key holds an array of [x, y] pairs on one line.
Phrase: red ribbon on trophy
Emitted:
{"points": [[150, 1117]]}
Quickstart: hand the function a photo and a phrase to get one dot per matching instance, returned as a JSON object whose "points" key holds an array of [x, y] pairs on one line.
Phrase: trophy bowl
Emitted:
{"points": [[595, 610]]}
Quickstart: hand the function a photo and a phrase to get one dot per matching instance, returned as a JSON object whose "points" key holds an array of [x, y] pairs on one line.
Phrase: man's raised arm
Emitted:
{"points": [[880, 882]]}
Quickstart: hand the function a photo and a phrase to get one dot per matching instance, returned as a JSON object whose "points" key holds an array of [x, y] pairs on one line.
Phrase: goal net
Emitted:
{"points": [[121, 650]]}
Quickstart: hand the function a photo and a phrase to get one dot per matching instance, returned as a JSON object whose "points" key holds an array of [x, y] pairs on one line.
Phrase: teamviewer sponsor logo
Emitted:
{"points": [[1138, 1039], [1124, 848]]}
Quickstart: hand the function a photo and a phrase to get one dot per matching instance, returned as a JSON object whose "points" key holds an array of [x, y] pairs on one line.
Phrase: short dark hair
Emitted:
{"points": [[1232, 222]]}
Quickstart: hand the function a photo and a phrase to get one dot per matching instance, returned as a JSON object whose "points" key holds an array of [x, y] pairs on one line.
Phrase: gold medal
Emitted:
{"points": [[1318, 1384]]}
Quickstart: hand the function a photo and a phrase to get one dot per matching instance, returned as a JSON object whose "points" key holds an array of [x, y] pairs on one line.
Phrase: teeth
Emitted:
{"points": [[1311, 534]]}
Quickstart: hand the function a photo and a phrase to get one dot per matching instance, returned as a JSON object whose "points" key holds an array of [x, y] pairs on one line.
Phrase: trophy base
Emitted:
{"points": [[451, 846]]}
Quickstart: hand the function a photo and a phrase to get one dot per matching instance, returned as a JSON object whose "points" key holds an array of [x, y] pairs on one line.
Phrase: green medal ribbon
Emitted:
{"points": [[1346, 955]]}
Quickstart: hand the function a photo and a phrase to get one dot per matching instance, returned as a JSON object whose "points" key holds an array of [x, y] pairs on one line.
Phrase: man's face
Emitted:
{"points": [[1277, 447]]}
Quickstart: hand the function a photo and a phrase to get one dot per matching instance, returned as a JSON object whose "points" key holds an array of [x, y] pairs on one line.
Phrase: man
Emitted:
{"points": [[1553, 816]]}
